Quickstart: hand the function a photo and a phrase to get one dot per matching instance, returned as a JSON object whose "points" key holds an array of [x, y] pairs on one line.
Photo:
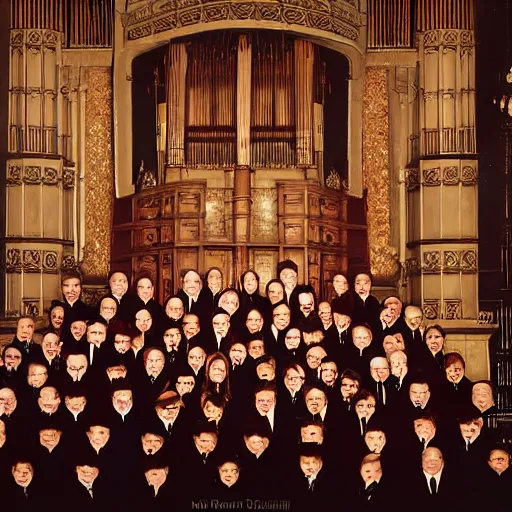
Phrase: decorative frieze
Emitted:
{"points": [[452, 309], [432, 177], [337, 16], [469, 175], [13, 261], [431, 308]]}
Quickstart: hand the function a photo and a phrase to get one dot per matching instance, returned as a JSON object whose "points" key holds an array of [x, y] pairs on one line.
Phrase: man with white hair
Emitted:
{"points": [[382, 384]]}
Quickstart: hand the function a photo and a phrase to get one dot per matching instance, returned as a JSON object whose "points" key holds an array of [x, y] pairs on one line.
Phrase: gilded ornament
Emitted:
{"points": [[99, 172], [32, 175], [432, 261], [50, 176], [383, 258]]}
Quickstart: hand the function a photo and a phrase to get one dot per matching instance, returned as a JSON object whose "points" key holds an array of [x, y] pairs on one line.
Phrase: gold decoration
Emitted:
{"points": [[383, 257], [264, 215], [98, 173]]}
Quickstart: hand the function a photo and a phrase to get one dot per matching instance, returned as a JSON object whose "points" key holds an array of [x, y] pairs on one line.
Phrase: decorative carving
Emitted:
{"points": [[31, 307], [264, 215], [217, 211], [99, 179], [50, 176], [469, 261], [13, 175], [383, 258], [469, 175], [333, 180], [189, 202], [92, 295], [147, 264], [68, 178], [13, 261], [413, 179], [452, 309], [451, 175], [32, 175], [431, 308], [412, 266], [432, 177], [329, 207], [149, 208], [32, 260], [293, 203], [189, 230], [314, 233], [432, 261], [451, 261], [16, 37], [50, 259], [293, 233], [338, 16], [68, 263]]}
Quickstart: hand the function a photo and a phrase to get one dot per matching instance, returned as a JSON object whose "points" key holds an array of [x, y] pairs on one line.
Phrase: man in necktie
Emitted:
{"points": [[470, 425], [432, 464], [380, 372], [23, 473], [311, 464], [371, 473], [365, 407]]}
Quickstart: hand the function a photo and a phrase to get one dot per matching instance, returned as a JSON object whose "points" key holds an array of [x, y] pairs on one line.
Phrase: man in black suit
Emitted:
{"points": [[97, 350], [87, 490], [23, 340], [74, 307], [312, 490], [376, 491], [21, 493], [434, 487], [382, 383], [350, 384]]}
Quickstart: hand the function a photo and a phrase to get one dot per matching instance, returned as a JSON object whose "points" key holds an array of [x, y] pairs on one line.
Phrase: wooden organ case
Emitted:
{"points": [[250, 160]]}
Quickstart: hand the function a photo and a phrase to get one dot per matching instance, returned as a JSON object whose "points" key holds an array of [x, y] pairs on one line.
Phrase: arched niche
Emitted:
{"points": [[126, 51]]}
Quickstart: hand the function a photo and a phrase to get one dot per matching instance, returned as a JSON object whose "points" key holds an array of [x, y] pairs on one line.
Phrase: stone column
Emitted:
{"points": [[443, 218], [242, 178]]}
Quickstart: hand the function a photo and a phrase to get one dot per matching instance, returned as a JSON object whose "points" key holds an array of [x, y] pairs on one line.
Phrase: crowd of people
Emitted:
{"points": [[221, 395]]}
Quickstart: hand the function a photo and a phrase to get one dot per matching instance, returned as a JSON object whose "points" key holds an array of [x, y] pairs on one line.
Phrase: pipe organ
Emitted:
{"points": [[243, 183]]}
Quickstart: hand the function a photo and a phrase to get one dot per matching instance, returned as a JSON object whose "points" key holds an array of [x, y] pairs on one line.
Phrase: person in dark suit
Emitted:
{"points": [[287, 271], [172, 422], [228, 486], [196, 299], [12, 373], [377, 488], [382, 383], [87, 490], [312, 489], [482, 397], [21, 493], [413, 316], [74, 307], [97, 350], [457, 388], [250, 297], [23, 340], [197, 460], [497, 479], [343, 301], [159, 492], [350, 384], [366, 306], [434, 486], [358, 354]]}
